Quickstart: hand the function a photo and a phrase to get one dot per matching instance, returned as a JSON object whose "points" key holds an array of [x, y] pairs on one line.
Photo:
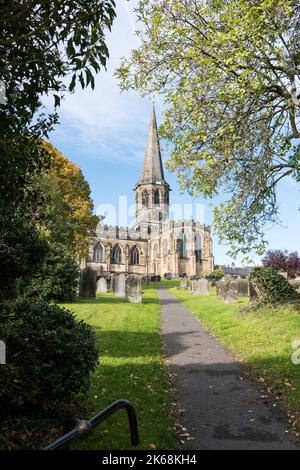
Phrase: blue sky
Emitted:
{"points": [[105, 133]]}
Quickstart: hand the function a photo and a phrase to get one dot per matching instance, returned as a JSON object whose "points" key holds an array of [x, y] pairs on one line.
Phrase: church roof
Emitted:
{"points": [[153, 168]]}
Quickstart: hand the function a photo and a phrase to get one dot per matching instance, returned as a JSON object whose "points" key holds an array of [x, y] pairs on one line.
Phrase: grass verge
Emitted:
{"points": [[131, 368]]}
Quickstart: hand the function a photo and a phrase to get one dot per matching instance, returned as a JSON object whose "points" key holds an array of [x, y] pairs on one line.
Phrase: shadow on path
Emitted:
{"points": [[222, 408]]}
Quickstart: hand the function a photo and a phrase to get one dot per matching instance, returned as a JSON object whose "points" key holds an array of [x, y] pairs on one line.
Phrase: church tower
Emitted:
{"points": [[152, 191]]}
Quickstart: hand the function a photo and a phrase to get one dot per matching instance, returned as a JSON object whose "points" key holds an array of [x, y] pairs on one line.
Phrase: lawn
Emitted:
{"points": [[263, 339], [131, 368]]}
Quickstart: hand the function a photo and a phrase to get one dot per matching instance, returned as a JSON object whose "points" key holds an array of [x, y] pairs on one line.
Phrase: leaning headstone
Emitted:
{"points": [[119, 288], [134, 289], [102, 286], [88, 279]]}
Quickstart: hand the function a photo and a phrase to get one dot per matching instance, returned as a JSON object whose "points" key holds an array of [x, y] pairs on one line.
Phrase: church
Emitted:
{"points": [[155, 245]]}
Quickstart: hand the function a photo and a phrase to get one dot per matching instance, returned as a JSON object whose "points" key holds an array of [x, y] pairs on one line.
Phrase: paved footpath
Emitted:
{"points": [[221, 410]]}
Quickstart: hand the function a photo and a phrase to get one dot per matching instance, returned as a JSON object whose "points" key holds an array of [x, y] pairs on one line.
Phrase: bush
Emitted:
{"points": [[271, 287], [22, 250], [216, 274], [50, 355], [57, 278]]}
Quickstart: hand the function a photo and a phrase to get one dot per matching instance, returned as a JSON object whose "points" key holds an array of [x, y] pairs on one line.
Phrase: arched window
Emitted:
{"points": [[116, 255], [98, 253], [160, 216], [149, 230], [135, 256], [145, 198], [198, 247], [183, 246], [156, 197]]}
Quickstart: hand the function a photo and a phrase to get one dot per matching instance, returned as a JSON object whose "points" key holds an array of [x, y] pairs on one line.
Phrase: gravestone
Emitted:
{"points": [[203, 286], [243, 287], [145, 280], [88, 279], [296, 284], [192, 286], [220, 289], [119, 288], [230, 297], [102, 286], [252, 293], [227, 289], [155, 278], [183, 283], [200, 286], [231, 291], [110, 283], [134, 289]]}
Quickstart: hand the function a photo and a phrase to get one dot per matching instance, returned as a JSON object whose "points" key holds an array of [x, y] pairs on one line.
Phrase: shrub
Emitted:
{"points": [[50, 355], [271, 287], [57, 278], [216, 274], [22, 250]]}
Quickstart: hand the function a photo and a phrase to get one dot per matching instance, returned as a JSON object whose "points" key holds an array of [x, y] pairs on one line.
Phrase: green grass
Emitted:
{"points": [[131, 368], [263, 339]]}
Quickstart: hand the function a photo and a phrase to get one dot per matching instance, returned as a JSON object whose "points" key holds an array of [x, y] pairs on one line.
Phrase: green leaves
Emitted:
{"points": [[227, 73], [45, 48], [272, 288]]}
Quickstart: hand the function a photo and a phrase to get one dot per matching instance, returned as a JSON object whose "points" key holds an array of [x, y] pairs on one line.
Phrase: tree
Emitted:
{"points": [[293, 264], [276, 259], [282, 261], [64, 208], [46, 47], [229, 72]]}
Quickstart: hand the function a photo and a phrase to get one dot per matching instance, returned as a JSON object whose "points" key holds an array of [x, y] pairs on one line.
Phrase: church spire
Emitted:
{"points": [[153, 168]]}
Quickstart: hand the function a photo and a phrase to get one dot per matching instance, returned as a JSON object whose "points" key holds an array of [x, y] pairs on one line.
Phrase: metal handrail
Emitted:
{"points": [[83, 426]]}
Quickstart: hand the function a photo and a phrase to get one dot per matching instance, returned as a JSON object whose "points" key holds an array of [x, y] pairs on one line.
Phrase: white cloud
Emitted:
{"points": [[102, 122]]}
